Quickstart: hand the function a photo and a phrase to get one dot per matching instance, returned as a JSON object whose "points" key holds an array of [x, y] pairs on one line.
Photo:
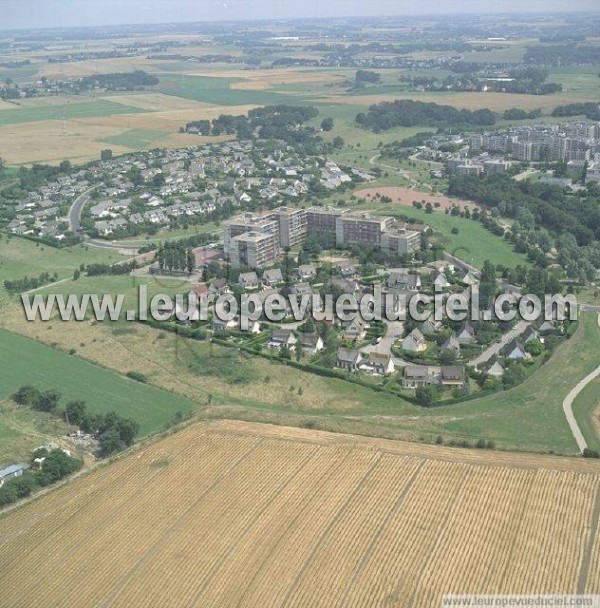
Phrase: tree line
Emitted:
{"points": [[409, 113]]}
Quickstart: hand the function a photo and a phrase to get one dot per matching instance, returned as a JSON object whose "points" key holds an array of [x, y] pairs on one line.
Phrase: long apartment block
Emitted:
{"points": [[254, 241]]}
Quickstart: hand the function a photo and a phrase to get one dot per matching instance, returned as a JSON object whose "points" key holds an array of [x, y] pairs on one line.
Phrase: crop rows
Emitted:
{"points": [[210, 517]]}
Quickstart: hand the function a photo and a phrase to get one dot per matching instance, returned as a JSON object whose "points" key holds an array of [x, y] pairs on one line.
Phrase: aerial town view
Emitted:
{"points": [[299, 304]]}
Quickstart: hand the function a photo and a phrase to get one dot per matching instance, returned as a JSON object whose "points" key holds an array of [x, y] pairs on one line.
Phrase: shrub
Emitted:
{"points": [[137, 376]]}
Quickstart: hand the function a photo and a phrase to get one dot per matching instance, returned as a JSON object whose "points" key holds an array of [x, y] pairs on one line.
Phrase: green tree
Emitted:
{"points": [[47, 401], [26, 395], [426, 395], [75, 412], [327, 124], [106, 154]]}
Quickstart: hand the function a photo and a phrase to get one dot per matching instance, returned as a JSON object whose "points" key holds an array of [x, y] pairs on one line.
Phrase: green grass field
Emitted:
{"points": [[473, 243], [218, 91], [20, 257], [136, 138], [65, 112], [585, 407], [25, 361]]}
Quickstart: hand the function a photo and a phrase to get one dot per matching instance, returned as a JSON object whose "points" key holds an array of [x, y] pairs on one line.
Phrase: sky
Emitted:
{"points": [[67, 13]]}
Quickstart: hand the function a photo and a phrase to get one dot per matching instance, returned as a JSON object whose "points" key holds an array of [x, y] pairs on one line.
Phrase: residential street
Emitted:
{"points": [[495, 348]]}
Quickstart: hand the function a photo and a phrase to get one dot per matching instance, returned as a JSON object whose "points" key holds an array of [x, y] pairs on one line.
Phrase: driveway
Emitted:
{"points": [[395, 330]]}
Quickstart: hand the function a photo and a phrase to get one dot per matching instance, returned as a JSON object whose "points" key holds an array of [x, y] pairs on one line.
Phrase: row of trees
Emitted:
{"points": [[27, 283], [175, 256], [409, 113]]}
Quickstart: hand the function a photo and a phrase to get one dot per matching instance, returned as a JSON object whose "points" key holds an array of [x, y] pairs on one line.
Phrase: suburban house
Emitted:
{"points": [[355, 330], [452, 344], [529, 335], [311, 343], [419, 375], [218, 286], [348, 272], [415, 342], [248, 280], [306, 272], [469, 279], [218, 325], [516, 350], [430, 327], [301, 289], [201, 289], [379, 364], [273, 276], [441, 281], [282, 337], [441, 266], [494, 367], [348, 359], [546, 327], [404, 280], [452, 375], [466, 334]]}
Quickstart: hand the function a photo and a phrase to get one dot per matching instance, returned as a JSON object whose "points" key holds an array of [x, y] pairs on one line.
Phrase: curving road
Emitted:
{"points": [[76, 208], [75, 225], [568, 406]]}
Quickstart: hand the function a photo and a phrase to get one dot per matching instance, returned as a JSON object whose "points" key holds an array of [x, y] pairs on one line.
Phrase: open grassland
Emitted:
{"points": [[25, 361], [20, 257], [137, 139], [587, 411], [257, 516], [22, 430], [219, 91]]}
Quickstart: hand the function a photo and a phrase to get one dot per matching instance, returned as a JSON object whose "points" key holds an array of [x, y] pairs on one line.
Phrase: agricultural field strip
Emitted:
{"points": [[278, 528], [586, 562], [231, 520], [367, 488], [403, 448], [103, 511], [164, 537], [265, 523]]}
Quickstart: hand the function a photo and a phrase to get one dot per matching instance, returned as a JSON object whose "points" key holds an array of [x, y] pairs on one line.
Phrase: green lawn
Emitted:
{"points": [[65, 111], [473, 243], [136, 138], [24, 361]]}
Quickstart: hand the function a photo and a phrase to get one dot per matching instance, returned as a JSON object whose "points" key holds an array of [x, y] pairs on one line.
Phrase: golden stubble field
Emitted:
{"points": [[236, 514]]}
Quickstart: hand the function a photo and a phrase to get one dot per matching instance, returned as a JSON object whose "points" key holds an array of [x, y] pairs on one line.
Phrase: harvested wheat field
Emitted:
{"points": [[235, 514]]}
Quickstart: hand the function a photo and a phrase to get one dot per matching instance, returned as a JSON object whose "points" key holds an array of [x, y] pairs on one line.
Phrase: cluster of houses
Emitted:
{"points": [[174, 183], [43, 211]]}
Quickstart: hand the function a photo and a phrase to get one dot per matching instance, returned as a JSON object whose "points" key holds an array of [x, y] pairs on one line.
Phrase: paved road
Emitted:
{"points": [[75, 225], [76, 208], [568, 406], [496, 347]]}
